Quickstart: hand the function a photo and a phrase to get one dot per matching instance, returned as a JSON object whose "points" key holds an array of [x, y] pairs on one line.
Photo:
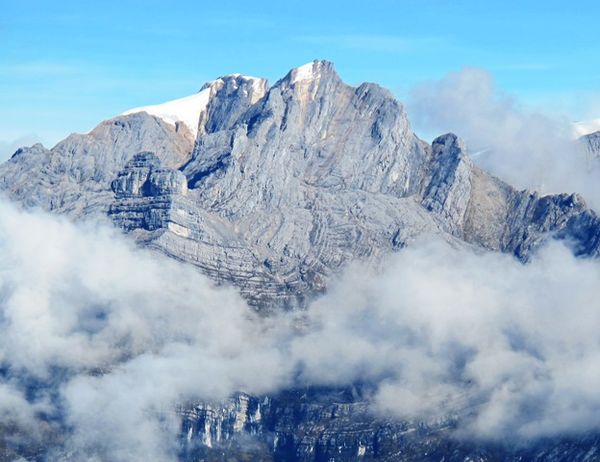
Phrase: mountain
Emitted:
{"points": [[592, 144], [274, 189]]}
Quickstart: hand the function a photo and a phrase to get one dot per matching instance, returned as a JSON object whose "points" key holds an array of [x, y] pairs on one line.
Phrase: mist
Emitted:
{"points": [[528, 149], [512, 348], [101, 340], [107, 338]]}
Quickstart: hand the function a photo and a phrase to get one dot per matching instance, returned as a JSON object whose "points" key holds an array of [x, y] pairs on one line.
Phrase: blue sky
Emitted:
{"points": [[66, 65]]}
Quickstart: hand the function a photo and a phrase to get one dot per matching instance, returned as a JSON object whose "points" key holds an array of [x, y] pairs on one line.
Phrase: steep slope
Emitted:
{"points": [[284, 185], [74, 177], [592, 144], [323, 425]]}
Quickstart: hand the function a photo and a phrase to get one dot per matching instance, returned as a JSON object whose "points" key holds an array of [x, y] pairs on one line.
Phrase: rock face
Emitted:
{"points": [[592, 143], [145, 193], [274, 190], [322, 425], [284, 185], [302, 425], [74, 177]]}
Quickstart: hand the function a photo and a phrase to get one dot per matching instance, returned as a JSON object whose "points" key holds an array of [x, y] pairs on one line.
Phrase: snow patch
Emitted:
{"points": [[189, 108], [362, 450], [305, 72], [186, 110], [585, 128]]}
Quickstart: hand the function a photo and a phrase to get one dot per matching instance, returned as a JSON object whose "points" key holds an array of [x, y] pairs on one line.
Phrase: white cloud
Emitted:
{"points": [[115, 337], [527, 149], [443, 330], [121, 334]]}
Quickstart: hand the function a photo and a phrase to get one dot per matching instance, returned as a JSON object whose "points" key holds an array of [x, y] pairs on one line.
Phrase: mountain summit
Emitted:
{"points": [[274, 189]]}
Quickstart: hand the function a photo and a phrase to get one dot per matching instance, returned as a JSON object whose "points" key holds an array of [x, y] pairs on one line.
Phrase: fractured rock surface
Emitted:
{"points": [[285, 184]]}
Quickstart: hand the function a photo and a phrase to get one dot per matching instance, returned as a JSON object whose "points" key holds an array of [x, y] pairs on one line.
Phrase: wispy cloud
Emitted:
{"points": [[523, 66], [40, 68], [370, 42]]}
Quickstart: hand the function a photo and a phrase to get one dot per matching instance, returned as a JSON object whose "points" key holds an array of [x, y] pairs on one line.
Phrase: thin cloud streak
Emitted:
{"points": [[369, 42]]}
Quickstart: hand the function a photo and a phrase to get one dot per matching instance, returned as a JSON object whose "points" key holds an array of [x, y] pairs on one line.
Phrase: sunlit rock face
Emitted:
{"points": [[285, 184]]}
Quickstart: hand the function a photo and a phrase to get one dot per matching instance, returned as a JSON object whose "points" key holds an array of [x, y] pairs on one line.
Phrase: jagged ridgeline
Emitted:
{"points": [[273, 189]]}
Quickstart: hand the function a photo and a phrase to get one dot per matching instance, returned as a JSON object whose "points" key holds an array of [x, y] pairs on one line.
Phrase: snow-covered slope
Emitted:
{"points": [[186, 110], [304, 72], [189, 108]]}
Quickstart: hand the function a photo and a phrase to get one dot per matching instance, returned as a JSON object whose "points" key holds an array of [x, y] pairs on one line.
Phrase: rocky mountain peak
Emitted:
{"points": [[448, 144], [313, 71], [229, 97], [307, 82], [285, 185], [274, 191], [235, 80], [194, 111]]}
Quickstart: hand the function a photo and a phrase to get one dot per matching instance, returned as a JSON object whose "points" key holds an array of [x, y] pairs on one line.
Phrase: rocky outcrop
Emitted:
{"points": [[592, 144], [300, 425], [74, 177], [448, 182], [146, 195], [325, 425]]}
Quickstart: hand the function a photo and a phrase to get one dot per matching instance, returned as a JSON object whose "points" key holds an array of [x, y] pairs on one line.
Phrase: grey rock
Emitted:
{"points": [[448, 182], [74, 177], [285, 185], [323, 425], [592, 144], [143, 176]]}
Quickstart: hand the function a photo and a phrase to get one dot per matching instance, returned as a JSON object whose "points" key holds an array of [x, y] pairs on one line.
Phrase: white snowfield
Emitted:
{"points": [[189, 108], [304, 72]]}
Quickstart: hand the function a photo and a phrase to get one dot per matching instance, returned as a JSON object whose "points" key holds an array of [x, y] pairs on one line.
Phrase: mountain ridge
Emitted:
{"points": [[286, 184]]}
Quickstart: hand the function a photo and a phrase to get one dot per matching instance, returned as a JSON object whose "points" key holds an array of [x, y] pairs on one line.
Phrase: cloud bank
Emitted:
{"points": [[526, 149], [108, 338], [511, 346], [100, 341]]}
